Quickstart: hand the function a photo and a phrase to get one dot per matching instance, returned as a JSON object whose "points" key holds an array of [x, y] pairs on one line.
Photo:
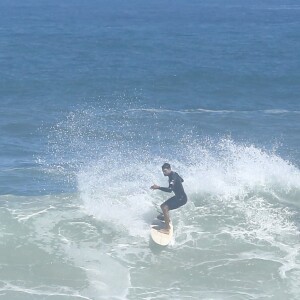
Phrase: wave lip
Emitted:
{"points": [[214, 111]]}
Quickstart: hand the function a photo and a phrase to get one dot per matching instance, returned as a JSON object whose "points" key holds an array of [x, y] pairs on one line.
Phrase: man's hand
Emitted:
{"points": [[154, 187]]}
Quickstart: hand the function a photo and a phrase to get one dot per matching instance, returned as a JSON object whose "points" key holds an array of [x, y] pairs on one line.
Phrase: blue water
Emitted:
{"points": [[97, 95]]}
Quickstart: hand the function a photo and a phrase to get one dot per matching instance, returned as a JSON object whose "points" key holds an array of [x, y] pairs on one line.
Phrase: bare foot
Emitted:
{"points": [[165, 230]]}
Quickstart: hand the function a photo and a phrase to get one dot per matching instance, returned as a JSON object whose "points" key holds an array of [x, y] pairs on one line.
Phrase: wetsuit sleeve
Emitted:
{"points": [[166, 189], [170, 188]]}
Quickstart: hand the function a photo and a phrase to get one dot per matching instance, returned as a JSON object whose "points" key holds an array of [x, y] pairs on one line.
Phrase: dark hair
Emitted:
{"points": [[166, 166]]}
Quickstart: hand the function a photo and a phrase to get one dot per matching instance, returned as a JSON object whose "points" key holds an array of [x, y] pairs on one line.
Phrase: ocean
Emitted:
{"points": [[96, 95]]}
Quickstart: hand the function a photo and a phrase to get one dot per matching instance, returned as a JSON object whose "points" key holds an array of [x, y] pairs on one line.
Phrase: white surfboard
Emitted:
{"points": [[160, 238]]}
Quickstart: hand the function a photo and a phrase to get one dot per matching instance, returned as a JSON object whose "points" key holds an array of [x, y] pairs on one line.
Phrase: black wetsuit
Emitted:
{"points": [[175, 185]]}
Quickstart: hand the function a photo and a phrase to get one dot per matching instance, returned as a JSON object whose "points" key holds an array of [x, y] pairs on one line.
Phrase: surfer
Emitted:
{"points": [[180, 198]]}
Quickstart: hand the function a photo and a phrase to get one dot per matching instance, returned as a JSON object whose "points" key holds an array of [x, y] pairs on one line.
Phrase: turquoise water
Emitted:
{"points": [[96, 96]]}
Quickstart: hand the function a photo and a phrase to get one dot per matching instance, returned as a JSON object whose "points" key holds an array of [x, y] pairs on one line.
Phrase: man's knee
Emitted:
{"points": [[164, 207]]}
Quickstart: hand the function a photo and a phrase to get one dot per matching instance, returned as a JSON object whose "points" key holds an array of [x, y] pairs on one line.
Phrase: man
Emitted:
{"points": [[180, 198]]}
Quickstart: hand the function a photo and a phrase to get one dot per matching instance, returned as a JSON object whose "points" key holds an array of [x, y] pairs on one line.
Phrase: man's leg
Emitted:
{"points": [[165, 209]]}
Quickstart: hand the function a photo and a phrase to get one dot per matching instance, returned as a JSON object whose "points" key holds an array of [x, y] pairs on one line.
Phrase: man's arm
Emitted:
{"points": [[164, 189]]}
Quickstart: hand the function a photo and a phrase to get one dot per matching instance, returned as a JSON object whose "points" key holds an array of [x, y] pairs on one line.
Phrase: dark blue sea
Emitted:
{"points": [[96, 95]]}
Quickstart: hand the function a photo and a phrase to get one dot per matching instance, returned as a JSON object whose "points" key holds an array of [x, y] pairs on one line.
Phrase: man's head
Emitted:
{"points": [[166, 169]]}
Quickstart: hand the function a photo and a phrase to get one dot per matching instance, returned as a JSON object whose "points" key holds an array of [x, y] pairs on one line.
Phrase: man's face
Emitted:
{"points": [[166, 172]]}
